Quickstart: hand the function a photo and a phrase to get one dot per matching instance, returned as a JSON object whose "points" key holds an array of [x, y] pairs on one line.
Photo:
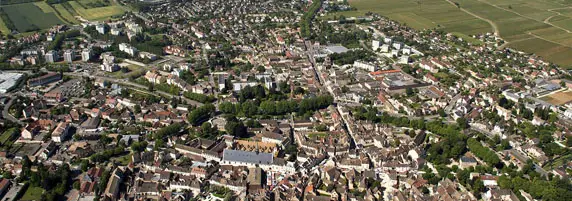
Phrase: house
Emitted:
{"points": [[467, 161], [254, 179], [61, 132], [112, 188], [4, 186]]}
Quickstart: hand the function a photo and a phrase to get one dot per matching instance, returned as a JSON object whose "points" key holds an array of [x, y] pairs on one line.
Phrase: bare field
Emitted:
{"points": [[559, 98]]}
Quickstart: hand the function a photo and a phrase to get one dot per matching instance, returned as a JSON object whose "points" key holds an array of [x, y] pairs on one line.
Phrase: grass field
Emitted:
{"points": [[134, 70], [28, 16], [100, 13], [559, 98], [543, 27], [8, 137], [33, 193], [3, 28], [64, 13]]}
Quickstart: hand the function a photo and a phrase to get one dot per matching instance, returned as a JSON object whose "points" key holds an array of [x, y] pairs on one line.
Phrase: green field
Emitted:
{"points": [[543, 27], [39, 15], [33, 193], [64, 13], [28, 17], [3, 28], [99, 13]]}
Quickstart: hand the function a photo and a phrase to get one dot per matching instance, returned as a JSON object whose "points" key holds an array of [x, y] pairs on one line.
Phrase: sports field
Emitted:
{"points": [[559, 98], [543, 27], [28, 17]]}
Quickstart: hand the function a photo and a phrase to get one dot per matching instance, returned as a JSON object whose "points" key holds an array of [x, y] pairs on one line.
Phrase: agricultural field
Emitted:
{"points": [[558, 98], [3, 28], [28, 16], [543, 27], [97, 13], [64, 13]]}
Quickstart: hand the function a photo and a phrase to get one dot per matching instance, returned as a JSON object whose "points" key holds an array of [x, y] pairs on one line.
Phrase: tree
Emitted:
{"points": [[76, 185], [235, 128], [137, 109], [208, 131], [201, 114], [441, 112], [409, 91], [462, 123]]}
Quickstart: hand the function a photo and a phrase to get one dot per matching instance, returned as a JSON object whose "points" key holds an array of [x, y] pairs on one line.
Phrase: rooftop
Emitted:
{"points": [[247, 156]]}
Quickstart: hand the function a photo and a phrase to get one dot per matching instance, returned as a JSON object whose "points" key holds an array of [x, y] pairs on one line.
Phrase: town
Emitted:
{"points": [[265, 100]]}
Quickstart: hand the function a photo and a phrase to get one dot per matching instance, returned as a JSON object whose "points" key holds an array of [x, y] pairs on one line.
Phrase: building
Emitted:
{"points": [[4, 186], [124, 47], [374, 45], [254, 179], [112, 188], [246, 158], [45, 79], [100, 28], [86, 55], [365, 66], [69, 56], [467, 161], [8, 81], [61, 132], [108, 63], [52, 56], [221, 82]]}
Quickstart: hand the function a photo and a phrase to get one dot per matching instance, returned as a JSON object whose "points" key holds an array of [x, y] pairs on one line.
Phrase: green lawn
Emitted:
{"points": [[134, 70], [123, 160], [317, 134], [8, 137], [33, 193]]}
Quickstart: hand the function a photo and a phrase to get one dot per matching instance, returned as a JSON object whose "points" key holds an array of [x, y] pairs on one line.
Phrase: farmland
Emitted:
{"points": [[28, 17], [543, 27], [96, 13], [558, 98], [31, 16]]}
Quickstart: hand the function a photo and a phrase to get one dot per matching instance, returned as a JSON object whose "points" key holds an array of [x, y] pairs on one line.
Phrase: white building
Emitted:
{"points": [[51, 56], [568, 113], [8, 81], [100, 28], [69, 56], [61, 132], [86, 55], [124, 47], [365, 66], [384, 48], [374, 45]]}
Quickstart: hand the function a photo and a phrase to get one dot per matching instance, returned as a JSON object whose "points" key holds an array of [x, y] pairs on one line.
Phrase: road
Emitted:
{"points": [[137, 87], [6, 112], [493, 25]]}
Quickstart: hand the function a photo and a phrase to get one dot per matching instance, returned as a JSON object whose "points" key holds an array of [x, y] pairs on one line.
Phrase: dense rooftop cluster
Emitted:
{"points": [[260, 100]]}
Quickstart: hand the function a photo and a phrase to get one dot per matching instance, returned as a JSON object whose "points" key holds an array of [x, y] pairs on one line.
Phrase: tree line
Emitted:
{"points": [[283, 107], [482, 152]]}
